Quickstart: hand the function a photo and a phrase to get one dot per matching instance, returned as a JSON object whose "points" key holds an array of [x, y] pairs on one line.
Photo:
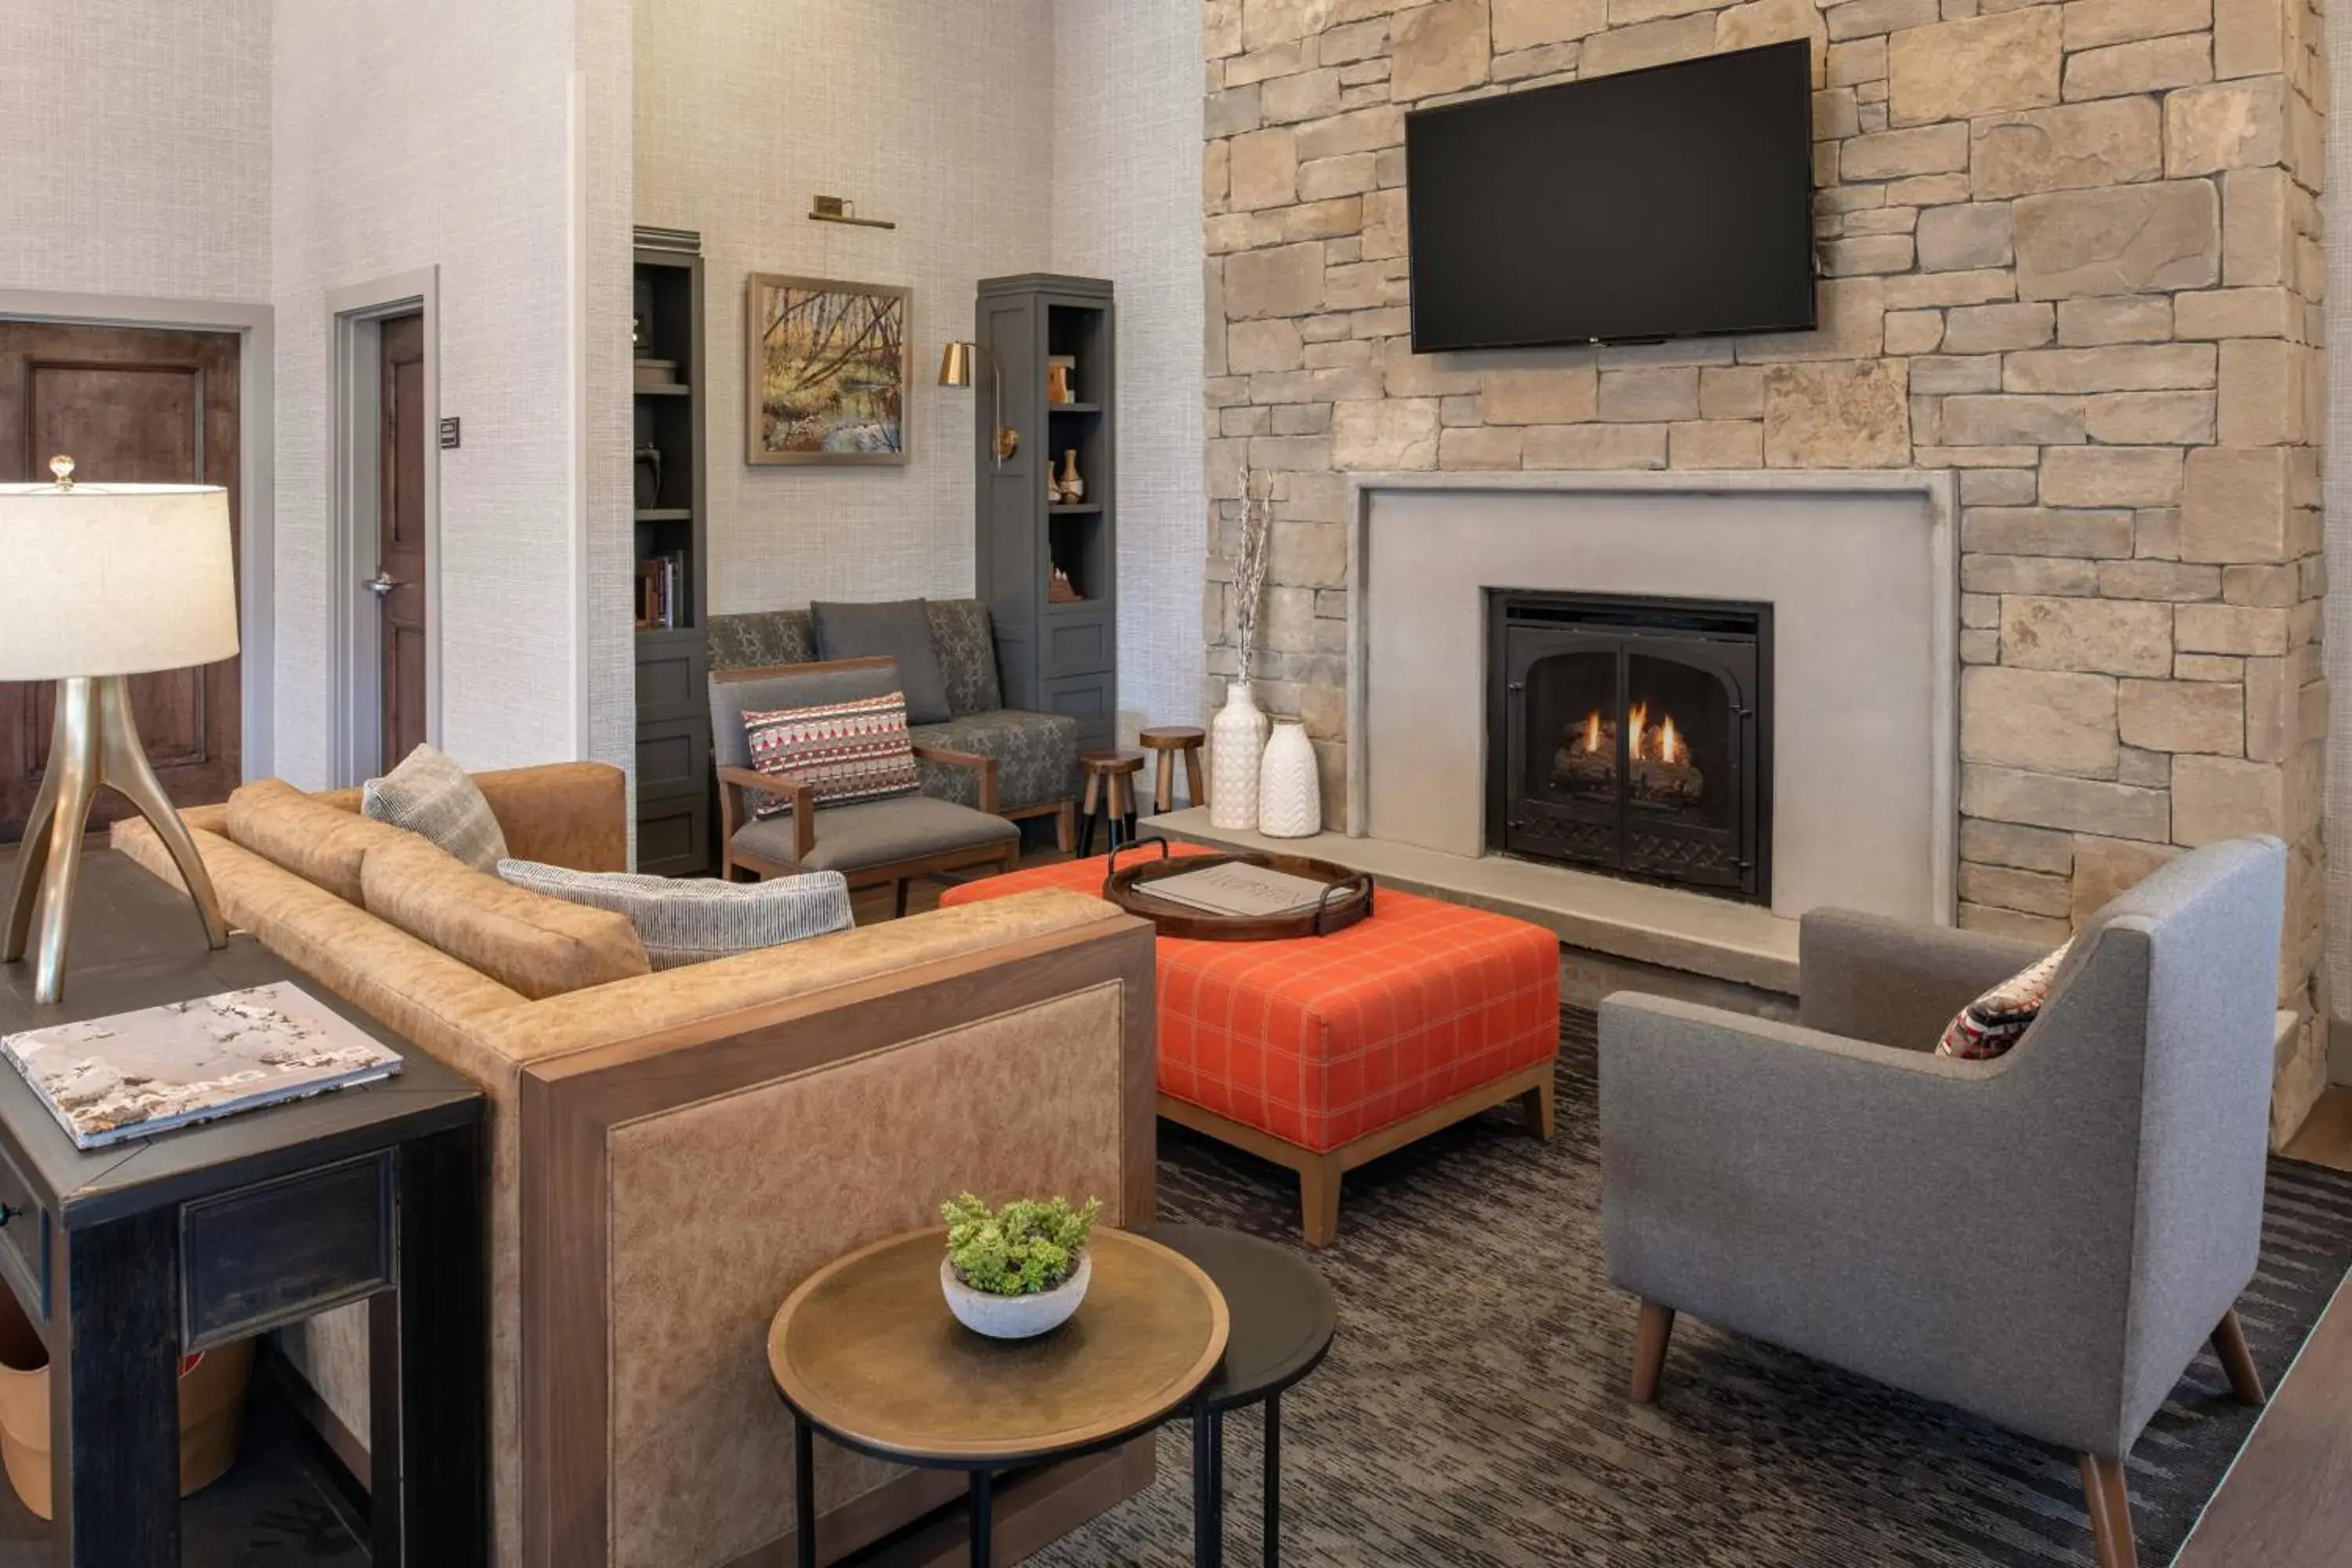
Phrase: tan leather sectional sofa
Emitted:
{"points": [[673, 1151]]}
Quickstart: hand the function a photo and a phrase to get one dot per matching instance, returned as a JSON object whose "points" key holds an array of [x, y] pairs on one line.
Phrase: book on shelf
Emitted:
{"points": [[132, 1074], [661, 591]]}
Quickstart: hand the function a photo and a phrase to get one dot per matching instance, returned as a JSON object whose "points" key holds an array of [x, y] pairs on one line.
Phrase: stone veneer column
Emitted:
{"points": [[2072, 251]]}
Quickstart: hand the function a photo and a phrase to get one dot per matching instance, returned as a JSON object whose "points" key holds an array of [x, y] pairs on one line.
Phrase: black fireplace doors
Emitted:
{"points": [[1632, 734]]}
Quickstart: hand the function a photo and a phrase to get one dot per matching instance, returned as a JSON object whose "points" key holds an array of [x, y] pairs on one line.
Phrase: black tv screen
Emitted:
{"points": [[1665, 202]]}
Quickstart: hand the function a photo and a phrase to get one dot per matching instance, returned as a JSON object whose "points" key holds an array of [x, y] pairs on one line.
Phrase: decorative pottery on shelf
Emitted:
{"points": [[1073, 487], [1236, 744], [1016, 1317], [1289, 789]]}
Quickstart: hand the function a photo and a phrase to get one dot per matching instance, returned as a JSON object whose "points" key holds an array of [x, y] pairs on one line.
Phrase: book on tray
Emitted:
{"points": [[135, 1074]]}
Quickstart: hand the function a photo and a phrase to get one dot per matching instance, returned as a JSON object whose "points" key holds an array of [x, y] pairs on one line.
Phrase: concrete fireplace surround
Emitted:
{"points": [[1860, 567]]}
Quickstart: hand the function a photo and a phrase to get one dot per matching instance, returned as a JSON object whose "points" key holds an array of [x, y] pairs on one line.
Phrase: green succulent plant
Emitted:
{"points": [[1029, 1244]]}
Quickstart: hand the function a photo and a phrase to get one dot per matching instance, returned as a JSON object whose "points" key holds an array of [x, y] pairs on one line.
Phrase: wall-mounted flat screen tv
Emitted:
{"points": [[1672, 202]]}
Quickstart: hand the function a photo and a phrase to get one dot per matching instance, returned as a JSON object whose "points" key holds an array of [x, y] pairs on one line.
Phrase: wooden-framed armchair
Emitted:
{"points": [[870, 842]]}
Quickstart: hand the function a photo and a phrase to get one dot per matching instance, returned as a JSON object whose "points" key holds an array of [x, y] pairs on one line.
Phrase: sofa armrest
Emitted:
{"points": [[1932, 1223], [1896, 983], [564, 813]]}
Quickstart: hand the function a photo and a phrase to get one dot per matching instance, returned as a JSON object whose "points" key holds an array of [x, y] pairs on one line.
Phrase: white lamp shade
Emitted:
{"points": [[114, 579]]}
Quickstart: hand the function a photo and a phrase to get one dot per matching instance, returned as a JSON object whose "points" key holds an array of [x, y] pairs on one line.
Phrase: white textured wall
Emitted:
{"points": [[409, 134], [1126, 206], [935, 115], [134, 147], [605, 48]]}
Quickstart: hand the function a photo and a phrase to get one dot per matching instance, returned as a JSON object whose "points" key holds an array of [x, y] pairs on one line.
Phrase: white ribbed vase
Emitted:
{"points": [[1290, 792], [1236, 740]]}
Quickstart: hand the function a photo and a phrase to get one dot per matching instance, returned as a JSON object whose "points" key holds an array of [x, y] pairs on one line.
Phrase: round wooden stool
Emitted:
{"points": [[1168, 740], [1108, 775]]}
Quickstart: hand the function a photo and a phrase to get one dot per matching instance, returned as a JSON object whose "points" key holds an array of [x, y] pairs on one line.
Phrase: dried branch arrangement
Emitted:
{"points": [[1249, 568]]}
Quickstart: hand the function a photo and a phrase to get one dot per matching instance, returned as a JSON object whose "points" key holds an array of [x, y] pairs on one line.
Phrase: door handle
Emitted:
{"points": [[380, 584]]}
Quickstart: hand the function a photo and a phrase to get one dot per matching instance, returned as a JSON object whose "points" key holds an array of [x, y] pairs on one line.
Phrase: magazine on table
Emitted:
{"points": [[135, 1074], [1239, 889]]}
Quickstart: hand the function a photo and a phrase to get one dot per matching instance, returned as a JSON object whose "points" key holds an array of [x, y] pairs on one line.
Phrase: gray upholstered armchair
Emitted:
{"points": [[2045, 1238]]}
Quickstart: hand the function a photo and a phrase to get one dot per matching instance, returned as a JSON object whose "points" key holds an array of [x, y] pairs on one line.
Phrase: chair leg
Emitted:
{"points": [[1319, 1201], [1535, 1106], [1652, 1327], [1196, 789], [899, 899], [1163, 784], [2230, 1344], [2108, 1502], [1065, 827]]}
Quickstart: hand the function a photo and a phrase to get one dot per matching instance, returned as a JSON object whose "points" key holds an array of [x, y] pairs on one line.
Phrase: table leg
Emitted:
{"points": [[1273, 1479], [428, 1371], [114, 1424], [983, 1519], [1208, 1522], [804, 1494]]}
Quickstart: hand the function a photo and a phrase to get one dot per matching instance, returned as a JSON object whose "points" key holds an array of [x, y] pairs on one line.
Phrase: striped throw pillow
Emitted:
{"points": [[856, 750], [1997, 1020]]}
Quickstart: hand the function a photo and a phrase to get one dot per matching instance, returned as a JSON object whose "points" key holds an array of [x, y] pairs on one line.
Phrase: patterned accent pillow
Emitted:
{"points": [[856, 750], [1988, 1025], [431, 797], [684, 921]]}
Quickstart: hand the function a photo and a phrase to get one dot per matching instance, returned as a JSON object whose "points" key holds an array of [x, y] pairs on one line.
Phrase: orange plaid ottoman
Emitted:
{"points": [[1321, 1053]]}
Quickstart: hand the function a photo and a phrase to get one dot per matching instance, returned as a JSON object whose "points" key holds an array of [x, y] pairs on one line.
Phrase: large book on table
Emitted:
{"points": [[135, 1074]]}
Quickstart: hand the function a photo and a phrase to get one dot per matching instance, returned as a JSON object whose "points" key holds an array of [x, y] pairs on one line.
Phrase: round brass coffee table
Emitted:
{"points": [[867, 1352]]}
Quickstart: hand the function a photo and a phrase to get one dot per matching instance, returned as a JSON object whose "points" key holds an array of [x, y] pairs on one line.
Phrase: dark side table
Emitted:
{"points": [[1284, 1316], [126, 1258]]}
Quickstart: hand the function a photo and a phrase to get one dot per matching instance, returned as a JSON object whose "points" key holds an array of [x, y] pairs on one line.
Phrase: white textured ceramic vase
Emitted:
{"points": [[1289, 792], [1236, 740]]}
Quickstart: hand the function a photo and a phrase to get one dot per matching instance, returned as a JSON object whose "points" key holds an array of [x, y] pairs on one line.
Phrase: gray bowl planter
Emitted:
{"points": [[1016, 1317]]}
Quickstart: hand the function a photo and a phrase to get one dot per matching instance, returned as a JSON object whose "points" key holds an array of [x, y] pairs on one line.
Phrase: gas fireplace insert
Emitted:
{"points": [[1632, 735]]}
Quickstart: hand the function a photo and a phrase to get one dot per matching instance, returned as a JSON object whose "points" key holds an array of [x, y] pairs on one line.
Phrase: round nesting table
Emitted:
{"points": [[867, 1352], [1284, 1316]]}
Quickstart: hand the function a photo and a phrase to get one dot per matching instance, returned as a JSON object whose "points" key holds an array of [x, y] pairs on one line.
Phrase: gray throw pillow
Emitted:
{"points": [[431, 797], [684, 921], [899, 630]]}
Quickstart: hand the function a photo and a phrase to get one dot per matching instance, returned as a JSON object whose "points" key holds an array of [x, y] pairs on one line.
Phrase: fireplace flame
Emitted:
{"points": [[1663, 744]]}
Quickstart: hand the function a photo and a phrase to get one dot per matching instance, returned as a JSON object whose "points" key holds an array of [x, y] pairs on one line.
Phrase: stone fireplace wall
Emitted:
{"points": [[2069, 250]]}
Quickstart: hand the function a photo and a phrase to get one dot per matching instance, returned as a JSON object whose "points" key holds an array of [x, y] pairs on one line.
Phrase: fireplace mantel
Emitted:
{"points": [[1871, 815]]}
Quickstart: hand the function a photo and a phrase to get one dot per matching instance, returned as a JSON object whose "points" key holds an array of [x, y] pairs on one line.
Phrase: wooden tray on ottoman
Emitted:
{"points": [[1347, 898]]}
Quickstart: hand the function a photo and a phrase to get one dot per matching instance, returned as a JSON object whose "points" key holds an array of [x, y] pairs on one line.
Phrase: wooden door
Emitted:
{"points": [[137, 404], [400, 556]]}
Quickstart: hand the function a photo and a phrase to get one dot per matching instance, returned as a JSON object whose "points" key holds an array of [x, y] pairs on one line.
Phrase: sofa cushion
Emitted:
{"points": [[1036, 757], [878, 833], [761, 638], [1998, 1019], [856, 750], [694, 920], [322, 846], [433, 797], [966, 645], [533, 944], [900, 631]]}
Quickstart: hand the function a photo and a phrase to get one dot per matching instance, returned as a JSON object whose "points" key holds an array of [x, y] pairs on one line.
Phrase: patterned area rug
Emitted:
{"points": [[1472, 1410]]}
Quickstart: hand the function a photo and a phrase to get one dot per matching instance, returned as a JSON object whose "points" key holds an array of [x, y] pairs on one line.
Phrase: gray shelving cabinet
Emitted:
{"points": [[1054, 657], [674, 779]]}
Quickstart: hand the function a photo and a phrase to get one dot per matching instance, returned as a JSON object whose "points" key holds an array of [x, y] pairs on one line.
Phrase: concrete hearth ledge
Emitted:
{"points": [[1632, 921]]}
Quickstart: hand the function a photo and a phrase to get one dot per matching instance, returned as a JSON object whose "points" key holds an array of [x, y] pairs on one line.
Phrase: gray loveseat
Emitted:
{"points": [[2046, 1239], [1036, 754]]}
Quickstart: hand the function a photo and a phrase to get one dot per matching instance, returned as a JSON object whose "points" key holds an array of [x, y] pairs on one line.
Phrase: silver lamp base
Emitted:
{"points": [[95, 742]]}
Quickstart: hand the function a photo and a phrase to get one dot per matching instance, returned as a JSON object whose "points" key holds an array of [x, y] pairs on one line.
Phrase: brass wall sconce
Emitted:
{"points": [[955, 369]]}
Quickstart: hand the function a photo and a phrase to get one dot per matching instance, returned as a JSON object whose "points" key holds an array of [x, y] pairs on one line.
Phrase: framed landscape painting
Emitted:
{"points": [[829, 365]]}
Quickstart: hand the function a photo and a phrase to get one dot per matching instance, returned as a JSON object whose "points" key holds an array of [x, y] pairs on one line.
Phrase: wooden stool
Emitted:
{"points": [[1107, 773], [1168, 740]]}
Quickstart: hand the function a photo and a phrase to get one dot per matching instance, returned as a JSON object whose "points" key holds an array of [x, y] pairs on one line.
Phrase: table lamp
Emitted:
{"points": [[104, 582]]}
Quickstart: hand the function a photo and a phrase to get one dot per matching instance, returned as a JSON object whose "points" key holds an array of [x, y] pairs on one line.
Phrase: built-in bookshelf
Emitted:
{"points": [[1047, 567], [672, 521]]}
